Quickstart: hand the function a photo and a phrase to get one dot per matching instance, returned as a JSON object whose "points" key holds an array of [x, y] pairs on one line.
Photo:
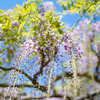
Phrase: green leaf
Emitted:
{"points": [[19, 17], [1, 63], [60, 31], [14, 48], [12, 53], [30, 56], [51, 19], [78, 5], [20, 26], [89, 23], [98, 7], [68, 5], [1, 58], [27, 34], [18, 6], [8, 55], [1, 11], [72, 4], [79, 1], [27, 24], [29, 1], [7, 60], [64, 7]]}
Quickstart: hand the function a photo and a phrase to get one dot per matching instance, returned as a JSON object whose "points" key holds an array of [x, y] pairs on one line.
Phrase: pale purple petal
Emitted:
{"points": [[48, 5]]}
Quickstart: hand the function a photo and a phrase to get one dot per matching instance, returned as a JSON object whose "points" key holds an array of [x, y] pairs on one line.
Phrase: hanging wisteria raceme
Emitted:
{"points": [[71, 45], [89, 35], [8, 92]]}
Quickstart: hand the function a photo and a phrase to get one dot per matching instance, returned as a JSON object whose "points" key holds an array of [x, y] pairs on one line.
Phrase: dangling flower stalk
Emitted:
{"points": [[74, 73], [19, 64], [50, 77]]}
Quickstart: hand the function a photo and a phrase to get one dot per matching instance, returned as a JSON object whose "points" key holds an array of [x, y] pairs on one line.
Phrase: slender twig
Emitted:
{"points": [[42, 88], [96, 74], [91, 94], [69, 75], [60, 96], [94, 52], [43, 97], [85, 74], [16, 85], [16, 69], [82, 15]]}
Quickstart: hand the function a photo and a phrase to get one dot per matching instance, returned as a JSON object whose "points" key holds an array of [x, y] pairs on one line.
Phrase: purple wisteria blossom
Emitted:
{"points": [[11, 48], [15, 24], [90, 35], [10, 11], [8, 91], [77, 31], [70, 44], [48, 6], [97, 27], [27, 47], [98, 46], [94, 59], [84, 23]]}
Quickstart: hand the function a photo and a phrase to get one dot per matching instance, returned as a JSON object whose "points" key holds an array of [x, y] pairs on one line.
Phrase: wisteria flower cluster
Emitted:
{"points": [[48, 6], [8, 92], [70, 44], [89, 36], [48, 41]]}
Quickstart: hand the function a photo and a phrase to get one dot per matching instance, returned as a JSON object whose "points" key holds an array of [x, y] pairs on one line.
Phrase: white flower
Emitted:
{"points": [[0, 25]]}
